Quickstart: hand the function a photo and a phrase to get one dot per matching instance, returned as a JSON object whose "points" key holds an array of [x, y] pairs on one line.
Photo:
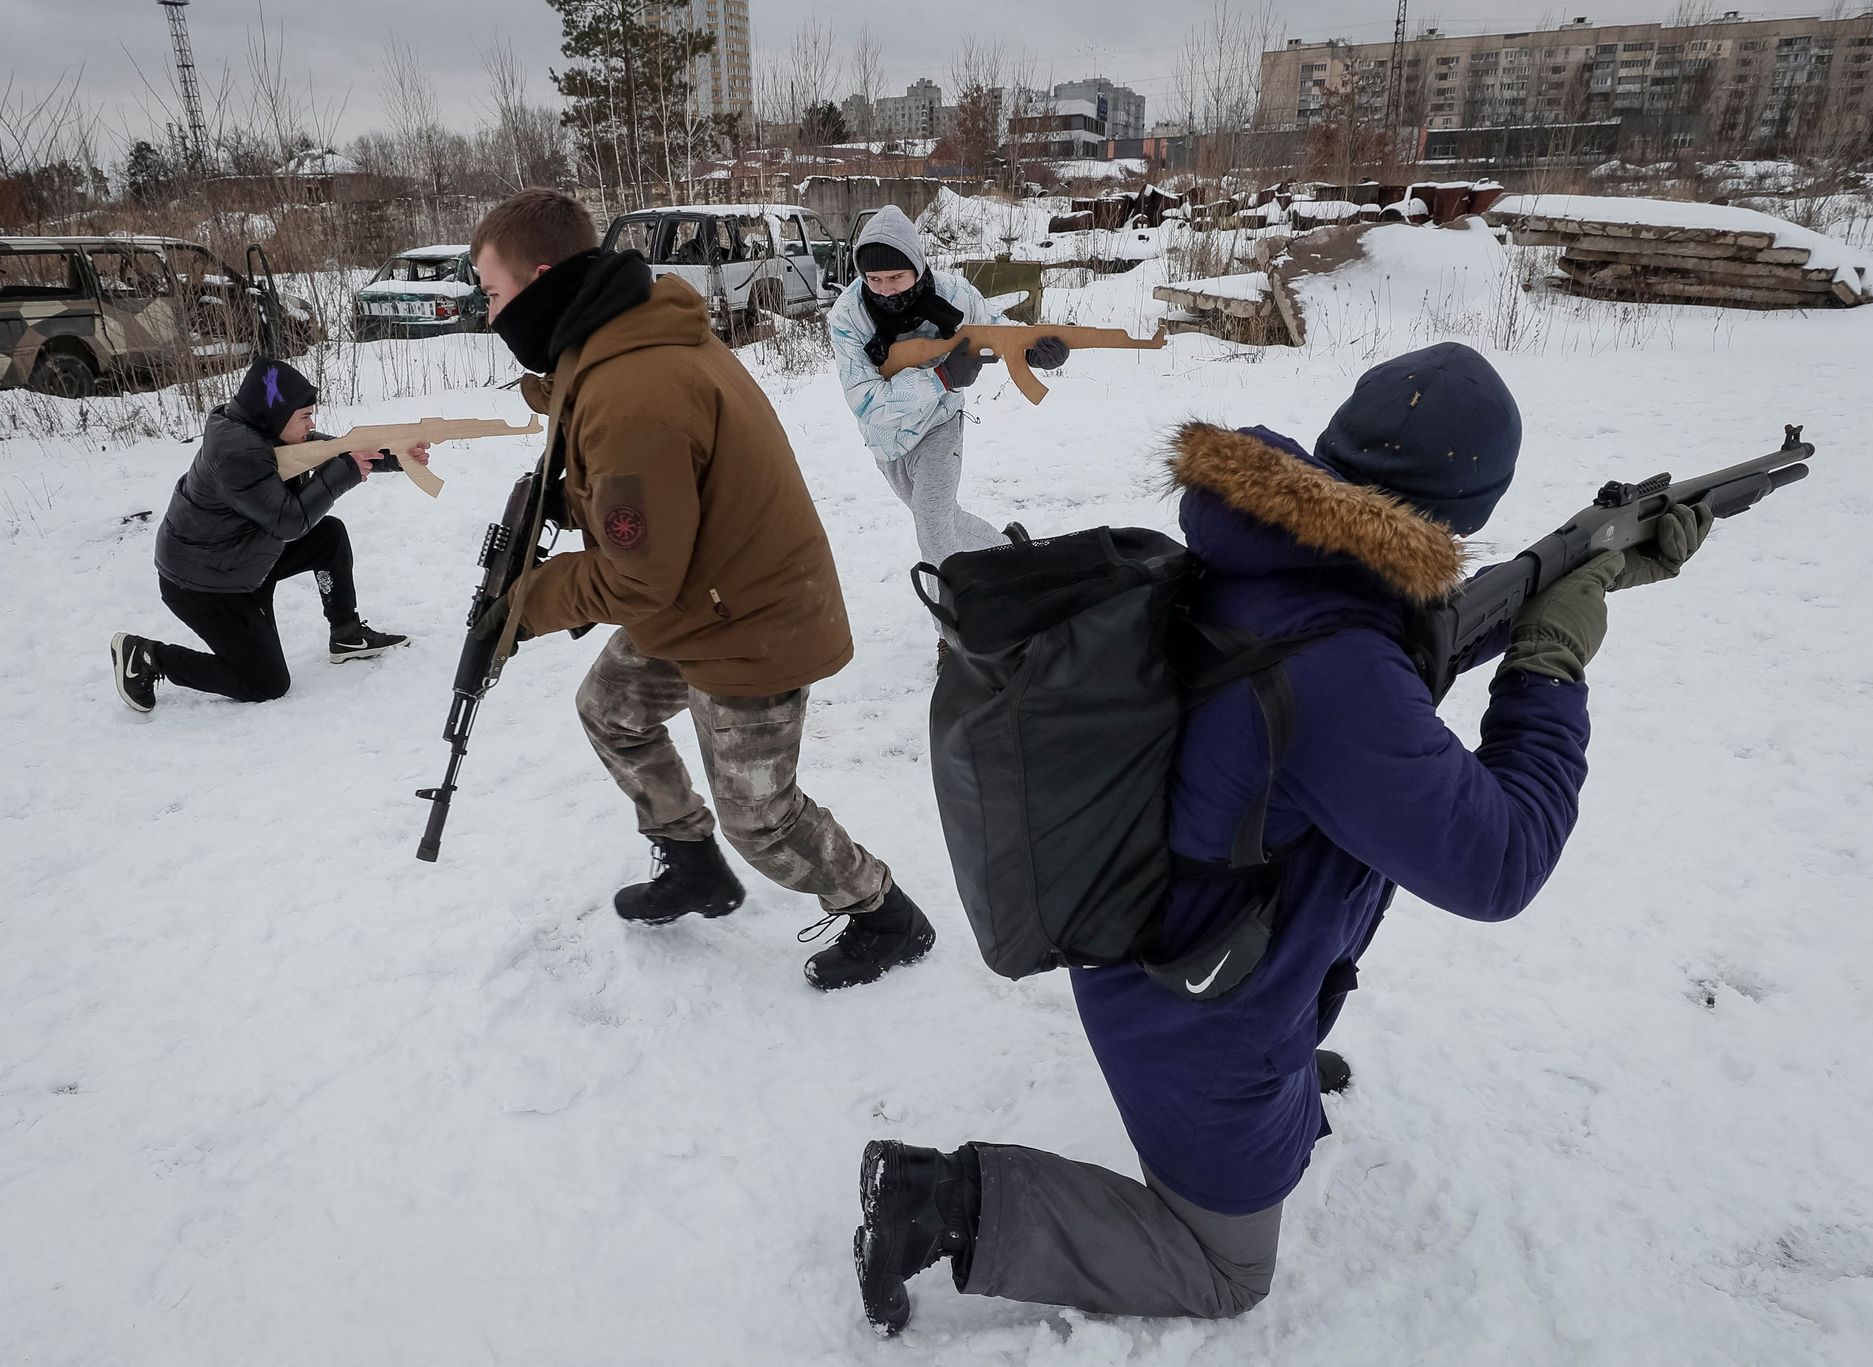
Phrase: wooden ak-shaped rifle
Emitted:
{"points": [[1010, 342], [395, 439]]}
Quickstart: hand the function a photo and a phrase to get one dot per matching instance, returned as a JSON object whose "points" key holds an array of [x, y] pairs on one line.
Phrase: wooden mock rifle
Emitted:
{"points": [[395, 438], [1010, 342]]}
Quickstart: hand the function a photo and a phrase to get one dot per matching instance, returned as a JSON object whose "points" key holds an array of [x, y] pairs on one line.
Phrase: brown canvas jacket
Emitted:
{"points": [[701, 538]]}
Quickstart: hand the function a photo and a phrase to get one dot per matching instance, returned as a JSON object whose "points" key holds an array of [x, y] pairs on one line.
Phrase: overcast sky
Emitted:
{"points": [[120, 51]]}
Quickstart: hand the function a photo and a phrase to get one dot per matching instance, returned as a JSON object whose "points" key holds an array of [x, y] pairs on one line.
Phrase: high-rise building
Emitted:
{"points": [[1766, 83], [1124, 107], [723, 80]]}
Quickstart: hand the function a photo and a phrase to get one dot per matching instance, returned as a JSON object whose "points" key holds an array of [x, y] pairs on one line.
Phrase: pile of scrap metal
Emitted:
{"points": [[1687, 254], [1147, 208], [1304, 205]]}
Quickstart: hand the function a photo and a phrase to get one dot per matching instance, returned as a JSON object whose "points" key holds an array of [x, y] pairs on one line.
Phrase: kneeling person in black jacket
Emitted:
{"points": [[233, 530]]}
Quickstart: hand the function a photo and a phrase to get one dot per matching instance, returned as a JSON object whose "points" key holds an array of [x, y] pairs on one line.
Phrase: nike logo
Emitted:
{"points": [[1204, 984], [130, 673], [351, 645]]}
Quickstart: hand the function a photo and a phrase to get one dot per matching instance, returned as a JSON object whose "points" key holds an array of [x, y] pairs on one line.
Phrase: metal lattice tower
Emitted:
{"points": [[185, 76], [1395, 88]]}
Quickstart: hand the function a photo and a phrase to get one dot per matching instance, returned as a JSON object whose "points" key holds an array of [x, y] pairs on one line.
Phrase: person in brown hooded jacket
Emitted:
{"points": [[702, 545]]}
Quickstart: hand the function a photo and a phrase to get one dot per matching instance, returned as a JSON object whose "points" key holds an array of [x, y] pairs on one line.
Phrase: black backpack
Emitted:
{"points": [[1053, 729]]}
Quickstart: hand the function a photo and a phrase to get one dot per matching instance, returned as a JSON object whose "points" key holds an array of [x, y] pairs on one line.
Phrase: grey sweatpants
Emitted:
{"points": [[926, 478], [750, 752], [1057, 1232]]}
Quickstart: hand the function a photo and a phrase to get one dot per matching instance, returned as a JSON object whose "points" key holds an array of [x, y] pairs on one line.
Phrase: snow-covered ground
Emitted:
{"points": [[275, 1092]]}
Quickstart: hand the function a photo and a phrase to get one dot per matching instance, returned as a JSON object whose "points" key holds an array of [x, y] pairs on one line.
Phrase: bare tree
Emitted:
{"points": [[977, 75], [814, 64], [1027, 103], [48, 166], [526, 142], [416, 120], [812, 68], [867, 82], [1218, 82]]}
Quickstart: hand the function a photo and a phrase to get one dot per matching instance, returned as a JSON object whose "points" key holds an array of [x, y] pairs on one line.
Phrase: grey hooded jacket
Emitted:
{"points": [[895, 414]]}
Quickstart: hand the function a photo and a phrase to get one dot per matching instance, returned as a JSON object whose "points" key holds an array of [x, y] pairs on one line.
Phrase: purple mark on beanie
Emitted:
{"points": [[274, 397]]}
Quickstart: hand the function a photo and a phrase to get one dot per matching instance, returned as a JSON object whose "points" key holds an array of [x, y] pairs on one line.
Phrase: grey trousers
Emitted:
{"points": [[750, 753], [926, 478], [1058, 1232]]}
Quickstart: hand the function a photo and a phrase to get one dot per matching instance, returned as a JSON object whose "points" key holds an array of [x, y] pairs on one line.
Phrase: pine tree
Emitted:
{"points": [[823, 124], [146, 172], [628, 91]]}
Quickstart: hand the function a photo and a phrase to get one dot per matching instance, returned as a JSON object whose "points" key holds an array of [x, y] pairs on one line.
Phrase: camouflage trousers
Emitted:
{"points": [[750, 751]]}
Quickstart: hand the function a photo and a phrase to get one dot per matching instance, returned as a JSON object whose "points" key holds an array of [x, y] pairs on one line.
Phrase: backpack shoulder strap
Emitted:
{"points": [[1243, 654]]}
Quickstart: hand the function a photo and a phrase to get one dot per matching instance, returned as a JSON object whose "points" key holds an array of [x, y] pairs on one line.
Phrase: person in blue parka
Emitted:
{"points": [[1221, 1099]]}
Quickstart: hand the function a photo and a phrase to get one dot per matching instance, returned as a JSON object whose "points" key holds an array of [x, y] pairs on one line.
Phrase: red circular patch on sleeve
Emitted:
{"points": [[624, 528]]}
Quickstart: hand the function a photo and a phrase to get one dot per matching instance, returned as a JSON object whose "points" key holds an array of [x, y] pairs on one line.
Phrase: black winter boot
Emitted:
{"points": [[692, 877], [872, 942], [920, 1205], [1336, 1074]]}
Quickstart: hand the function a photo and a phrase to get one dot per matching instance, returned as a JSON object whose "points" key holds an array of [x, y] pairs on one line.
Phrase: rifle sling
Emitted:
{"points": [[551, 459]]}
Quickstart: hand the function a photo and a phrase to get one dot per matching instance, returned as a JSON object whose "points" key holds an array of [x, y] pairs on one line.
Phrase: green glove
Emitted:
{"points": [[1558, 630], [1681, 530]]}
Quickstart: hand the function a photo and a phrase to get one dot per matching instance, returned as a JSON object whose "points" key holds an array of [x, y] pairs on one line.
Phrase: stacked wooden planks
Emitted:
{"points": [[1691, 265], [1236, 308]]}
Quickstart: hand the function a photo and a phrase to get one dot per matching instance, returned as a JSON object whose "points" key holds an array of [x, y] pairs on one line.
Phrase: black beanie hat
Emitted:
{"points": [[1436, 427], [271, 392], [881, 256]]}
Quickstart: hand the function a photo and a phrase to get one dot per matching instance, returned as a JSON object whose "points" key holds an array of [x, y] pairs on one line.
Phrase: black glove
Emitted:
{"points": [[959, 369], [1050, 353]]}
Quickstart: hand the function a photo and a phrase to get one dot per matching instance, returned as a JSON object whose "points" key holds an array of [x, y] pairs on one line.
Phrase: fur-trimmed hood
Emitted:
{"points": [[1304, 513]]}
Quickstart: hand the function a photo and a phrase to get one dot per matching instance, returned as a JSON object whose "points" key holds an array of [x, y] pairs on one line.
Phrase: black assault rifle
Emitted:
{"points": [[1444, 638], [480, 666]]}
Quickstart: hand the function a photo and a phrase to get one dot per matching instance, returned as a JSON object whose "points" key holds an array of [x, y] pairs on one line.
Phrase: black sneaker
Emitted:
{"points": [[691, 878], [1336, 1074], [920, 1205], [133, 662], [871, 943], [359, 642]]}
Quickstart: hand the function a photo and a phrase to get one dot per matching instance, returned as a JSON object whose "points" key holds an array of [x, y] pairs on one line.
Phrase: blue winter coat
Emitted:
{"points": [[1221, 1099]]}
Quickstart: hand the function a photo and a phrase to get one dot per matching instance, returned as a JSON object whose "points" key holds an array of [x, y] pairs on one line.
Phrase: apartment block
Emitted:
{"points": [[723, 80], [1756, 83], [917, 113]]}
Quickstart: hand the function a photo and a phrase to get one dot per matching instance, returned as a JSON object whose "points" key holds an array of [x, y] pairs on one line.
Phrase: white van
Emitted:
{"points": [[745, 259]]}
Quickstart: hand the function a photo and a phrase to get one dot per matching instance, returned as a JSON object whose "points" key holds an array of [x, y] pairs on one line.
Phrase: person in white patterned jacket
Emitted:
{"points": [[913, 422]]}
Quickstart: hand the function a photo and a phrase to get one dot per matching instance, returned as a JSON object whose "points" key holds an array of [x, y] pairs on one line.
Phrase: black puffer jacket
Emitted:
{"points": [[232, 514]]}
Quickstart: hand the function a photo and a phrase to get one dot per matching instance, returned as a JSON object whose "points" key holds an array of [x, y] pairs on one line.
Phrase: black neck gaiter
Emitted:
{"points": [[528, 321], [902, 313]]}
